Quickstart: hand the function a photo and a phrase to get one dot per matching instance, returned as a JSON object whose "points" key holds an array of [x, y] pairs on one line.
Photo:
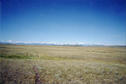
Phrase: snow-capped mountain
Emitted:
{"points": [[54, 43]]}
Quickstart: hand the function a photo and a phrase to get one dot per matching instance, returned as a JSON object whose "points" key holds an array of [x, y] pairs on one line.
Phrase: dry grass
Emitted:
{"points": [[62, 64]]}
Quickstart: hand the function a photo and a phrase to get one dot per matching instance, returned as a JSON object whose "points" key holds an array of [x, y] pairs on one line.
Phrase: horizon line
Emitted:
{"points": [[58, 43]]}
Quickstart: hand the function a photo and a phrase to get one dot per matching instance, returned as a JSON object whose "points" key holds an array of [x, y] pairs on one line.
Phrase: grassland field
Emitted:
{"points": [[62, 64]]}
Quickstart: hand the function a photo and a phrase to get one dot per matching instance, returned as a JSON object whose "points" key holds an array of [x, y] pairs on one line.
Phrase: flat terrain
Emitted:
{"points": [[62, 64]]}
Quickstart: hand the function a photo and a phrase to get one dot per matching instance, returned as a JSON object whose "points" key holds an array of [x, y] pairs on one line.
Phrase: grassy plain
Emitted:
{"points": [[62, 64]]}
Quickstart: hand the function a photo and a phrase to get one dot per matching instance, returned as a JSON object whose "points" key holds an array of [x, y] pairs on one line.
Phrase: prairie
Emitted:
{"points": [[62, 64]]}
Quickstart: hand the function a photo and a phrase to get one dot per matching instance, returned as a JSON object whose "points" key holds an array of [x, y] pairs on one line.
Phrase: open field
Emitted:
{"points": [[62, 64]]}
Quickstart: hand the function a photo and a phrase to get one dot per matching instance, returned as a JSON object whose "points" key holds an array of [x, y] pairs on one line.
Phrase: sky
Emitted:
{"points": [[88, 21]]}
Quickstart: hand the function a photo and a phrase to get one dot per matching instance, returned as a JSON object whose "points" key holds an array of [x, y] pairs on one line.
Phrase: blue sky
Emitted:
{"points": [[89, 21]]}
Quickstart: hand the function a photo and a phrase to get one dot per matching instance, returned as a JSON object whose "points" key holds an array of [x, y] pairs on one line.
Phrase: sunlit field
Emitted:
{"points": [[62, 64]]}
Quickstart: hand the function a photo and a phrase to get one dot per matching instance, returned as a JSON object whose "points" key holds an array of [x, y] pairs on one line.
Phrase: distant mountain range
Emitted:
{"points": [[53, 43]]}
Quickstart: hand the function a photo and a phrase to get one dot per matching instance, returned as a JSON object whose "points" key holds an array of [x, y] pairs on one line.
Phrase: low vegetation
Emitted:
{"points": [[34, 64]]}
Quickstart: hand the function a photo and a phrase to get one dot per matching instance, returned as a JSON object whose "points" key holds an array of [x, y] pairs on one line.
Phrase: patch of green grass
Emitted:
{"points": [[15, 57], [32, 57]]}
